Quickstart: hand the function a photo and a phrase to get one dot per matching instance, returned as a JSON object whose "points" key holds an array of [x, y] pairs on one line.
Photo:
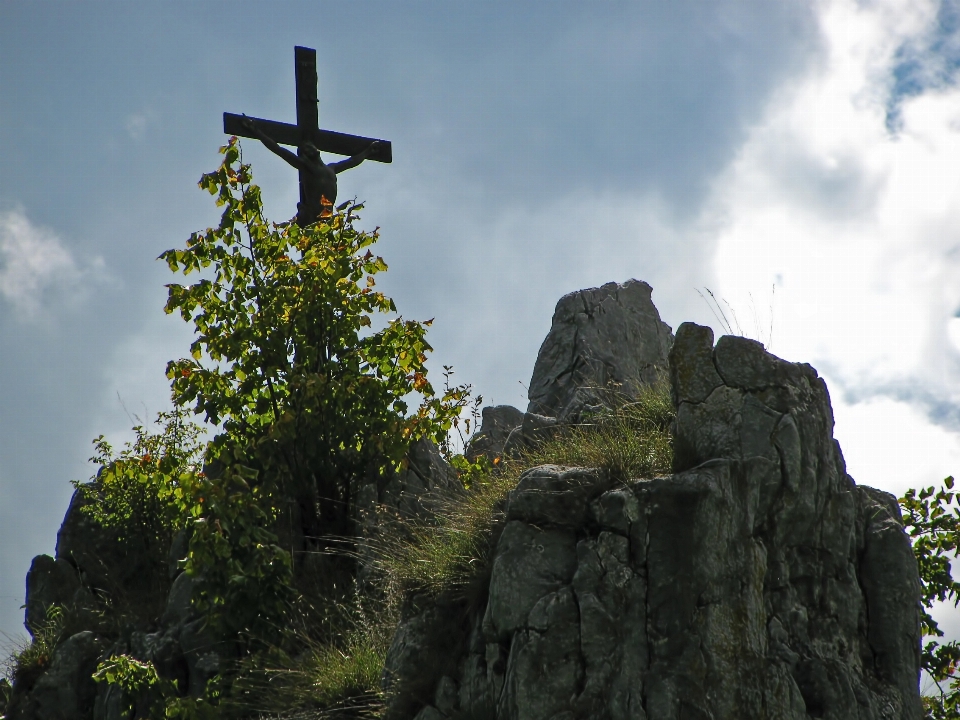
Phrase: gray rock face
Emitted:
{"points": [[496, 425], [611, 335], [758, 581], [604, 344], [51, 582]]}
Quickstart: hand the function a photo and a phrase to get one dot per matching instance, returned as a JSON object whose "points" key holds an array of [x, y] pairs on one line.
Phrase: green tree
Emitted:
{"points": [[931, 517], [136, 492], [311, 400]]}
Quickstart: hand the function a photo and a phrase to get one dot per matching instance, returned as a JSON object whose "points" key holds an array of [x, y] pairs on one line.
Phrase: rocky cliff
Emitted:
{"points": [[755, 581]]}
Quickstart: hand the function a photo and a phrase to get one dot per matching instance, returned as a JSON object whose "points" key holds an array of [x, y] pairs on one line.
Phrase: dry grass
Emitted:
{"points": [[29, 659], [629, 442]]}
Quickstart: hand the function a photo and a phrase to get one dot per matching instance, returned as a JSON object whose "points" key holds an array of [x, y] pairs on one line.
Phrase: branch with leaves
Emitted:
{"points": [[931, 517]]}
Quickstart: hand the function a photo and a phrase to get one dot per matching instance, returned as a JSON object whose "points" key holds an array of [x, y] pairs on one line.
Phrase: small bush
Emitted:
{"points": [[28, 662]]}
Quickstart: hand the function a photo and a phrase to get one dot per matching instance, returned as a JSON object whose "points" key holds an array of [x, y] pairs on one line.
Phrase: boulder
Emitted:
{"points": [[602, 340], [604, 345], [52, 583], [496, 424], [756, 581], [129, 574]]}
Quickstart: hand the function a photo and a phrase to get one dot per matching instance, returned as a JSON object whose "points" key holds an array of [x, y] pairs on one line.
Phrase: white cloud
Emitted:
{"points": [[33, 260], [858, 226], [136, 124]]}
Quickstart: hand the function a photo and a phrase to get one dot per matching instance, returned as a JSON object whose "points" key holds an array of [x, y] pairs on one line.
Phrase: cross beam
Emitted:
{"points": [[307, 130]]}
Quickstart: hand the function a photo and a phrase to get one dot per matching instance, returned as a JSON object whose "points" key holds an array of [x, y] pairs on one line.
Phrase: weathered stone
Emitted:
{"points": [[200, 650], [421, 654], [692, 374], [49, 583], [544, 667], [533, 430], [603, 338], [530, 563], [66, 691], [430, 713], [496, 425], [550, 496], [888, 574], [757, 581]]}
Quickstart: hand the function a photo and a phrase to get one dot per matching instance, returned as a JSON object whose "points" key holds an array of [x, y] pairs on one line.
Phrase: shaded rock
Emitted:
{"points": [[131, 573], [66, 691], [533, 430], [420, 655], [552, 496], [600, 338], [496, 425], [416, 493], [52, 583]]}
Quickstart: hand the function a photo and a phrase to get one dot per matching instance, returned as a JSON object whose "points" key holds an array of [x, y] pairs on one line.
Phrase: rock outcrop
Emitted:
{"points": [[757, 581], [604, 344], [604, 338]]}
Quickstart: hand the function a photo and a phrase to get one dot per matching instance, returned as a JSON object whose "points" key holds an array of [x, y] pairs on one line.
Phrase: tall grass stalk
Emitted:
{"points": [[338, 676]]}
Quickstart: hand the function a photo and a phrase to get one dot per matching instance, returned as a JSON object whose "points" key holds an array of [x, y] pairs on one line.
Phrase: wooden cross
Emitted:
{"points": [[307, 130]]}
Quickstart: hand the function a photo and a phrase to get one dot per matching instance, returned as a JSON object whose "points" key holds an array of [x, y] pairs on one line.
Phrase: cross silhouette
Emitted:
{"points": [[307, 133]]}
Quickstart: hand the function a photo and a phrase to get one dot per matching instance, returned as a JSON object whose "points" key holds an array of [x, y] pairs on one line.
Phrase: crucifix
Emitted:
{"points": [[318, 180]]}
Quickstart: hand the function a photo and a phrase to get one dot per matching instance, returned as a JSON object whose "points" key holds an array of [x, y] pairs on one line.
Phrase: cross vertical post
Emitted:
{"points": [[308, 121]]}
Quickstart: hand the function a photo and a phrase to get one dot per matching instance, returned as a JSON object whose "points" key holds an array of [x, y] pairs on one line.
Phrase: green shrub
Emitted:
{"points": [[311, 400], [28, 662], [137, 492], [931, 517]]}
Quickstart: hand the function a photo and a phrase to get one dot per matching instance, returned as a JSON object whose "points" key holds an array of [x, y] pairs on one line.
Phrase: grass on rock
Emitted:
{"points": [[629, 442]]}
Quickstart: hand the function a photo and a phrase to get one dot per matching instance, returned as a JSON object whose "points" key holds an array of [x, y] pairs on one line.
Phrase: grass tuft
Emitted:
{"points": [[630, 441], [338, 676], [30, 659]]}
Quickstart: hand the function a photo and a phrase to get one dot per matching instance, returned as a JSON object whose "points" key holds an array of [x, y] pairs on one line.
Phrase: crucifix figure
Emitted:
{"points": [[318, 180]]}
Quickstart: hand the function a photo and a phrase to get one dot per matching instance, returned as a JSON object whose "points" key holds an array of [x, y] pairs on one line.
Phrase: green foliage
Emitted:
{"points": [[311, 395], [27, 663], [931, 518], [147, 695], [138, 493], [311, 399], [283, 324], [285, 352]]}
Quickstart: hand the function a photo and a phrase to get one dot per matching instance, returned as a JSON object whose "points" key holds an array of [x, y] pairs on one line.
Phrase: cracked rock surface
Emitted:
{"points": [[757, 581], [604, 343]]}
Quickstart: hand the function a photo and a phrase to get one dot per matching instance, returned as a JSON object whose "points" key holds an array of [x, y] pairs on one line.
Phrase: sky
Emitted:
{"points": [[799, 159]]}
